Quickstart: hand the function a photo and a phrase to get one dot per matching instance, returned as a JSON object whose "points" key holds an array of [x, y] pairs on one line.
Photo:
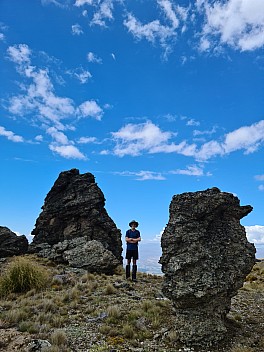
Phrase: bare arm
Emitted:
{"points": [[133, 240]]}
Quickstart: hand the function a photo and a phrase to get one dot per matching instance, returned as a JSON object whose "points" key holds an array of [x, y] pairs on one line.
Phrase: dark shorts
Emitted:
{"points": [[132, 253]]}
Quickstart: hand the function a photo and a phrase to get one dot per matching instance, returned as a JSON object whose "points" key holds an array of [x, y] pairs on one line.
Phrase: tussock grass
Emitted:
{"points": [[114, 312], [128, 331], [242, 349], [23, 276], [59, 338], [28, 326], [109, 289]]}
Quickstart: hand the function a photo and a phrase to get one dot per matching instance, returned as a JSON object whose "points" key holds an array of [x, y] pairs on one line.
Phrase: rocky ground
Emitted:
{"points": [[80, 311]]}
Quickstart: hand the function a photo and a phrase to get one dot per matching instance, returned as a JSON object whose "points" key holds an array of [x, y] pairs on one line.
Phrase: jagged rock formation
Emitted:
{"points": [[205, 259], [74, 226], [11, 244]]}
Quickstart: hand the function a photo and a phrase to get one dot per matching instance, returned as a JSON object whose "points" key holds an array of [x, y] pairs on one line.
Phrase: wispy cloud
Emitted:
{"points": [[193, 122], [153, 31], [79, 3], [143, 175], [11, 136], [157, 32], [82, 75], [192, 170], [54, 2], [39, 101], [76, 29], [91, 57], [236, 23], [103, 13], [86, 140], [103, 10]]}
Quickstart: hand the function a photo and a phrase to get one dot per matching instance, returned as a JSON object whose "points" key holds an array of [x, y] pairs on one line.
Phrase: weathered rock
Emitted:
{"points": [[11, 244], [74, 226], [205, 259], [38, 345]]}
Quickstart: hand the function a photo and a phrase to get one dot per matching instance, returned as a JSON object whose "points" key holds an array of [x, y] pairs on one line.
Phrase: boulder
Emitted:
{"points": [[74, 226], [11, 244], [205, 259]]}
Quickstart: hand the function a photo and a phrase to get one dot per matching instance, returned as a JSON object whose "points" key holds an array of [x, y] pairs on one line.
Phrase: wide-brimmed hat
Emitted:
{"points": [[133, 222]]}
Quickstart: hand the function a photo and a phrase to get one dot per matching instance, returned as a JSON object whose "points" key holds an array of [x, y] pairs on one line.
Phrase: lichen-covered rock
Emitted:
{"points": [[73, 219], [205, 259], [11, 244]]}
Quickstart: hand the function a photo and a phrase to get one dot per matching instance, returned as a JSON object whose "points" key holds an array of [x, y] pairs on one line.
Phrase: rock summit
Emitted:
{"points": [[74, 226]]}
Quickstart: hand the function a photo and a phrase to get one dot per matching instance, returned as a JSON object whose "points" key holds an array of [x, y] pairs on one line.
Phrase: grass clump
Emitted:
{"points": [[22, 276], [59, 338]]}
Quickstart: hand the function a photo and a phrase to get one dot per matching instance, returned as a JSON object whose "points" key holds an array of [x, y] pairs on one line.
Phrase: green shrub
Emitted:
{"points": [[22, 276]]}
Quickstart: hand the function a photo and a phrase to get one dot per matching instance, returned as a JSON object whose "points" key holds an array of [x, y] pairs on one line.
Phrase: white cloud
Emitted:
{"points": [[133, 139], [193, 122], [151, 31], [79, 3], [86, 140], [39, 100], [192, 170], [103, 13], [77, 29], [91, 57], [237, 23], [20, 54], [39, 97], [82, 75], [209, 150], [11, 136], [246, 137], [54, 2], [90, 109], [206, 132], [67, 151], [58, 136], [255, 234], [2, 36], [261, 187], [143, 175], [167, 7], [157, 32], [39, 138]]}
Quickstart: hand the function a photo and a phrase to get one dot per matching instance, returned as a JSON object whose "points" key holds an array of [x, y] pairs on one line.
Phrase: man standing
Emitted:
{"points": [[132, 239]]}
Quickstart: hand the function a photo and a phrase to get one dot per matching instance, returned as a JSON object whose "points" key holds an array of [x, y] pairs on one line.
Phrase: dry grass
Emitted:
{"points": [[91, 312], [22, 275]]}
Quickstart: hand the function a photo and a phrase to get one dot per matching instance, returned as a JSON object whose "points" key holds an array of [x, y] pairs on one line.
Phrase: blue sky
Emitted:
{"points": [[155, 98]]}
